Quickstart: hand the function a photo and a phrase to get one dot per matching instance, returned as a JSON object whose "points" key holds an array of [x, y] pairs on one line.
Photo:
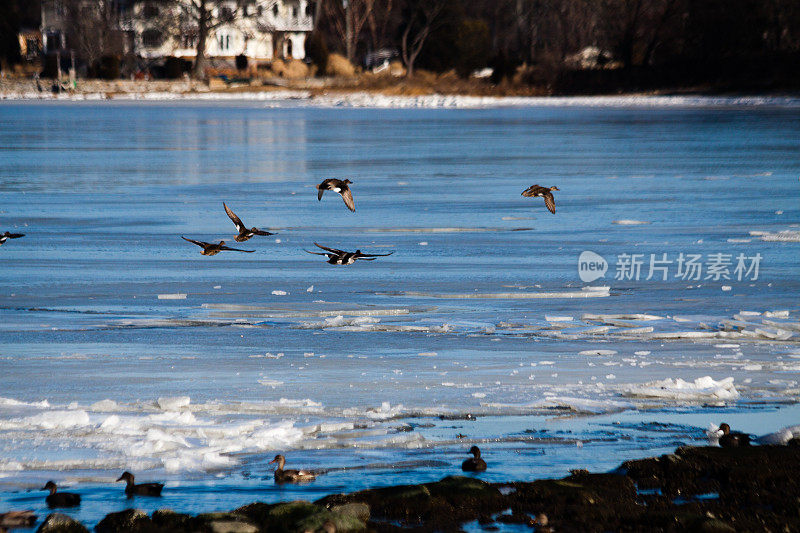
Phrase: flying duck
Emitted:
{"points": [[332, 184], [290, 476], [5, 236], [244, 233], [340, 257], [733, 439], [142, 489], [474, 463], [60, 499], [210, 248], [544, 192]]}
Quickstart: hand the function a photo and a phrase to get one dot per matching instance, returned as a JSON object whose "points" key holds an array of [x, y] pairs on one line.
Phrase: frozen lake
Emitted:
{"points": [[123, 348]]}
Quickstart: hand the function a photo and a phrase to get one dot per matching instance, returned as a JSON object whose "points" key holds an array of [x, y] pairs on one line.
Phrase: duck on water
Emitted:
{"points": [[474, 463], [60, 499], [141, 489], [290, 476]]}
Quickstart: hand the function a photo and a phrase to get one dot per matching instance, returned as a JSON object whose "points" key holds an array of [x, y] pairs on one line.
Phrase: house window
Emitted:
{"points": [[151, 38], [224, 42], [188, 40], [275, 10], [309, 10], [260, 10], [294, 11]]}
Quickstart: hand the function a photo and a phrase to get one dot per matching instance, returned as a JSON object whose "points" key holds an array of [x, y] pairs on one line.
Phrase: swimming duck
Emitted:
{"points": [[142, 489], [60, 499], [544, 192], [734, 439], [290, 476], [332, 184], [210, 248], [244, 232], [340, 257], [474, 463], [5, 236]]}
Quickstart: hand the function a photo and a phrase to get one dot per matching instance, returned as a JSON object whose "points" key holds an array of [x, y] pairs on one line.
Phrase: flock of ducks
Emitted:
{"points": [[334, 255], [282, 475], [726, 439]]}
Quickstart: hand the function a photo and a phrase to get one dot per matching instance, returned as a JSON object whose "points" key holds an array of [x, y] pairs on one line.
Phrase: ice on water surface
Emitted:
{"points": [[122, 349]]}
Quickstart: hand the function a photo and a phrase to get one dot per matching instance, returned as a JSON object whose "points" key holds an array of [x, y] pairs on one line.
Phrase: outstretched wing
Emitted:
{"points": [[375, 255], [317, 253], [550, 202], [235, 249], [15, 235], [262, 232], [320, 191], [332, 250], [347, 196], [236, 220], [201, 244], [530, 191]]}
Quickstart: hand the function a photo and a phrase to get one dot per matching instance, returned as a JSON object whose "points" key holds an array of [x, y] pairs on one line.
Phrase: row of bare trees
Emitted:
{"points": [[438, 34]]}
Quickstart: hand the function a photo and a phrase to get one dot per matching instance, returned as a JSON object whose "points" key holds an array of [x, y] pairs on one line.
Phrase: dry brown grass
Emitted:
{"points": [[339, 66]]}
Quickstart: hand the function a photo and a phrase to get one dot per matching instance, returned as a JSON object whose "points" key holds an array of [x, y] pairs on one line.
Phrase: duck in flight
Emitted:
{"points": [[244, 232], [209, 248], [332, 184], [7, 235], [544, 192], [340, 257], [290, 476], [142, 489], [474, 463], [60, 499]]}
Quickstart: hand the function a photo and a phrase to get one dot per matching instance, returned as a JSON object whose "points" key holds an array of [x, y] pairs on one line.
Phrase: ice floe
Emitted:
{"points": [[701, 389]]}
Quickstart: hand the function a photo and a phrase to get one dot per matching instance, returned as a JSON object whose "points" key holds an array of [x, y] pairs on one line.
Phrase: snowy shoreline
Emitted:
{"points": [[305, 98]]}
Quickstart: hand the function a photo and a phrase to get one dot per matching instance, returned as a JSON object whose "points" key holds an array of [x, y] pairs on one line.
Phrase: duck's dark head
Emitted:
{"points": [[358, 251], [347, 181], [126, 476], [554, 188], [221, 243], [50, 486], [278, 459], [475, 451], [725, 428]]}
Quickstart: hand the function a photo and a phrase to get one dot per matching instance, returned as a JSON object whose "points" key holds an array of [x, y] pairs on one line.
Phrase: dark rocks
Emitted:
{"points": [[441, 505], [301, 516], [128, 521], [61, 523], [702, 490]]}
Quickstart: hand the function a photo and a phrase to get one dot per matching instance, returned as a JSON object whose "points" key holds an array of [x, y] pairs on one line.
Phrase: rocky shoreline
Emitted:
{"points": [[704, 489]]}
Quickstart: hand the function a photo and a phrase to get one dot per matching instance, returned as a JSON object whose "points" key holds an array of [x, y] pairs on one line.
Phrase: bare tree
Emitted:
{"points": [[422, 19], [348, 18], [205, 16], [92, 29], [381, 23]]}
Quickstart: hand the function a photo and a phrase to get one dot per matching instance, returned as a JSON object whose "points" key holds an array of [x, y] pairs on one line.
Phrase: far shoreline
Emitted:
{"points": [[316, 93]]}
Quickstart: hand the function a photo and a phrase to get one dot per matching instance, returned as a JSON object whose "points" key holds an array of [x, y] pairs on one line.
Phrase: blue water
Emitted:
{"points": [[368, 370]]}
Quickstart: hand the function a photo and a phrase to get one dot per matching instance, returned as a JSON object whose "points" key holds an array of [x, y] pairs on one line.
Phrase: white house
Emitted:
{"points": [[262, 30]]}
